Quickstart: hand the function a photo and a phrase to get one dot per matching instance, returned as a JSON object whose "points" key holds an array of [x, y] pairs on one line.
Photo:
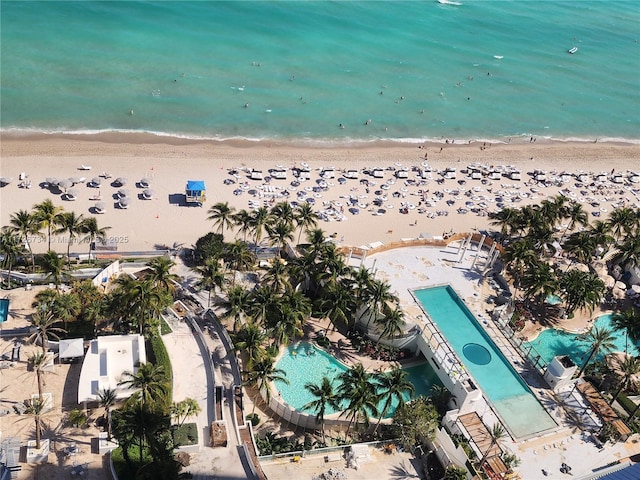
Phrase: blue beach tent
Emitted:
{"points": [[195, 191]]}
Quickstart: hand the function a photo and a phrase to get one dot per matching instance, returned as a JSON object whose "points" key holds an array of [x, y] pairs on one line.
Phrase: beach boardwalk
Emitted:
{"points": [[195, 191]]}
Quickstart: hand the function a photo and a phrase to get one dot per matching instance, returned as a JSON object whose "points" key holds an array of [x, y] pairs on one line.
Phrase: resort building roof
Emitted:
{"points": [[602, 408], [104, 363]]}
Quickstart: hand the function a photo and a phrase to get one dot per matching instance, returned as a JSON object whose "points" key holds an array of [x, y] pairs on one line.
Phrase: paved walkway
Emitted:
{"points": [[193, 354]]}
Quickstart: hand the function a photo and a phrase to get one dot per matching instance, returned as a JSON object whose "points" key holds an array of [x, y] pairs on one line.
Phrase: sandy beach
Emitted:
{"points": [[357, 211]]}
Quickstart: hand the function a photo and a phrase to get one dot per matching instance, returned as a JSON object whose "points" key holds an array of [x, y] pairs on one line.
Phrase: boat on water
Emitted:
{"points": [[573, 50], [449, 2]]}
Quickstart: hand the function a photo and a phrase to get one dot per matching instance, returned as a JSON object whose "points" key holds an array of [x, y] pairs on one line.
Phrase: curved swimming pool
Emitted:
{"points": [[553, 342], [305, 363]]}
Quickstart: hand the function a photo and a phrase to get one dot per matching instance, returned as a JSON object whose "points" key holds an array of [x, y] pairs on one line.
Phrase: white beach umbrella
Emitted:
{"points": [[124, 202], [121, 181], [64, 184], [100, 207], [123, 192], [145, 182], [5, 180], [96, 181], [72, 194], [147, 194]]}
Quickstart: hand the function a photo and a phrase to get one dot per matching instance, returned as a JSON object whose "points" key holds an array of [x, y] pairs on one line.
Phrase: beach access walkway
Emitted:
{"points": [[192, 358]]}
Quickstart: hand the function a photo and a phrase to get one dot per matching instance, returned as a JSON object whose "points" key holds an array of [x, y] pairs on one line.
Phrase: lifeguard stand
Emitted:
{"points": [[196, 191]]}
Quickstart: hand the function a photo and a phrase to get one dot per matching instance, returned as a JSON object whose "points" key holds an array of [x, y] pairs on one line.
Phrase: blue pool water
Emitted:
{"points": [[304, 363], [552, 342], [501, 384], [553, 300], [4, 309]]}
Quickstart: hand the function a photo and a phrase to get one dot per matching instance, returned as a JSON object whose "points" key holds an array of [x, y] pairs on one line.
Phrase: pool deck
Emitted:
{"points": [[410, 268]]}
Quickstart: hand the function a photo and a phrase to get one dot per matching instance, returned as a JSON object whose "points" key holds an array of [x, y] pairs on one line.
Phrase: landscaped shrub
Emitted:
{"points": [[254, 419], [185, 434], [323, 341], [158, 355]]}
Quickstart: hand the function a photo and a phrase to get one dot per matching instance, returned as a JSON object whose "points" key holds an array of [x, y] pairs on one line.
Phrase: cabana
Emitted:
{"points": [[71, 349], [195, 191]]}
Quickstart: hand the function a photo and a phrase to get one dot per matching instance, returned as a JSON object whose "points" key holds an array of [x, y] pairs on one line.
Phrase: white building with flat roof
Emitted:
{"points": [[104, 363]]}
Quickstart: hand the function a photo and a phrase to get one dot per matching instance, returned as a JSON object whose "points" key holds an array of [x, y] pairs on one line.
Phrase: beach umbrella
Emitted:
{"points": [[100, 207], [124, 202], [145, 182], [621, 286], [96, 181], [75, 180], [5, 180], [147, 193], [123, 192], [65, 184], [120, 181], [52, 180], [72, 194]]}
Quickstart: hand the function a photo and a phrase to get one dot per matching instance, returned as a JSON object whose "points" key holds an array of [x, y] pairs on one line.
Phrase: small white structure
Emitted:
{"points": [[559, 372], [71, 348], [104, 363]]}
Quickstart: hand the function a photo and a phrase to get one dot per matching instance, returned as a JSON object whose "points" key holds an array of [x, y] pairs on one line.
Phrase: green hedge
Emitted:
{"points": [[159, 356], [627, 403], [122, 469], [185, 434]]}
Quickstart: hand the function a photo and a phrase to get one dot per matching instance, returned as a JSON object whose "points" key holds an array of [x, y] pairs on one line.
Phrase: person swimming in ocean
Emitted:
{"points": [[131, 112]]}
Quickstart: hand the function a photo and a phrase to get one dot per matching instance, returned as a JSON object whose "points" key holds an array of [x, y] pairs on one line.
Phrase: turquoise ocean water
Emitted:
{"points": [[417, 70]]}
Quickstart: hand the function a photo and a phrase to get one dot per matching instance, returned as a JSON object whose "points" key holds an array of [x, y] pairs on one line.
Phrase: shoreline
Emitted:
{"points": [[152, 137], [161, 221]]}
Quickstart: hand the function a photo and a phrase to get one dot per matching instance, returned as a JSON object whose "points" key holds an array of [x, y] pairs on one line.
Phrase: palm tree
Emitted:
{"points": [[325, 397], [629, 321], [188, 407], [107, 398], [622, 221], [392, 385], [629, 368], [250, 340], [47, 215], [539, 280], [506, 219], [44, 323], [93, 232], [338, 305], [279, 234], [221, 214], [581, 246], [376, 295], [236, 305], [212, 276], [628, 252], [243, 220], [305, 218], [10, 248], [260, 219], [262, 301], [238, 256], [601, 233], [581, 289], [496, 433], [392, 323], [261, 376], [149, 382], [276, 277], [36, 407], [602, 340], [358, 389], [284, 212], [160, 274], [316, 239], [576, 215], [25, 225], [66, 307], [38, 362], [141, 301], [72, 224], [517, 255], [53, 266]]}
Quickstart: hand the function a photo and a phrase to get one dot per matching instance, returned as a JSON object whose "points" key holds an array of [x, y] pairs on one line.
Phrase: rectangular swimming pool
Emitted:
{"points": [[503, 387]]}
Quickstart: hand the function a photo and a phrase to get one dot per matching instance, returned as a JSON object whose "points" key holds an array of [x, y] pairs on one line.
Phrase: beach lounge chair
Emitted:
{"points": [[84, 167]]}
